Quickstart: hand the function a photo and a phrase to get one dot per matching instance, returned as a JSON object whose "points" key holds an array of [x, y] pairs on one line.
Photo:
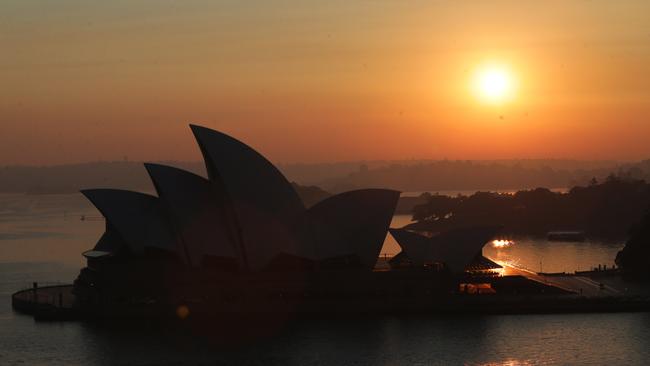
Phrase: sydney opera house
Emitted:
{"points": [[242, 240]]}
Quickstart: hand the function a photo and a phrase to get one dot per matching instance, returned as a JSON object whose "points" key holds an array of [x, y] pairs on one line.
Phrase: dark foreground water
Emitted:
{"points": [[41, 238]]}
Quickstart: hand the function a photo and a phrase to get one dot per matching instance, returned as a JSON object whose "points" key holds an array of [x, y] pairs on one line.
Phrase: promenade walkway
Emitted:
{"points": [[581, 285], [50, 302]]}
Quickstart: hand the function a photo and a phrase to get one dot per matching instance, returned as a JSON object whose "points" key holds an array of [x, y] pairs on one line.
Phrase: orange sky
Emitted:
{"points": [[344, 80]]}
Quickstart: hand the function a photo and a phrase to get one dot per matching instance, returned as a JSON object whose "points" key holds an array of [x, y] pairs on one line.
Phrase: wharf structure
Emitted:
{"points": [[242, 242]]}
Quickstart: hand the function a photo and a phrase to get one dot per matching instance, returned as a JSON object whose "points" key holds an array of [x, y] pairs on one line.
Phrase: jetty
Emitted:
{"points": [[46, 303]]}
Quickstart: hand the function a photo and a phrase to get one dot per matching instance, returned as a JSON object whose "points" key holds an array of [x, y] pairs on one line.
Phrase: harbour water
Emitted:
{"points": [[42, 236]]}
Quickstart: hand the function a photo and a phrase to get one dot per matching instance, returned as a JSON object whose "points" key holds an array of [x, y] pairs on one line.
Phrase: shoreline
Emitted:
{"points": [[57, 303]]}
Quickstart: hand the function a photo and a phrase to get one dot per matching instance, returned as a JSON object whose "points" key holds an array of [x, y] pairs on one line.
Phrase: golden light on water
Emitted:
{"points": [[502, 243], [494, 84]]}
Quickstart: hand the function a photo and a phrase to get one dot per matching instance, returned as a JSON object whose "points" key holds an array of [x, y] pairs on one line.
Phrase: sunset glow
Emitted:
{"points": [[391, 81]]}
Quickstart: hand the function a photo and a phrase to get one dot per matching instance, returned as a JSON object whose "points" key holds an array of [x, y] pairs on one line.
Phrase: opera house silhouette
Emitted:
{"points": [[243, 241], [459, 250]]}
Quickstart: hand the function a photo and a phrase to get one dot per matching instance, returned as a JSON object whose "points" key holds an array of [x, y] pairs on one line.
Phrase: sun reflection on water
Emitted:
{"points": [[507, 363], [502, 243]]}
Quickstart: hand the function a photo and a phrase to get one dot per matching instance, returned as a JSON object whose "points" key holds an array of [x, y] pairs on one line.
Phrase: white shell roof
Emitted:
{"points": [[456, 248], [136, 217], [110, 241], [352, 223], [247, 210], [267, 208], [197, 212]]}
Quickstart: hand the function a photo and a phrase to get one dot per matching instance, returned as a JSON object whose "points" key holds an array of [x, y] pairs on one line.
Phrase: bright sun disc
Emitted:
{"points": [[493, 84]]}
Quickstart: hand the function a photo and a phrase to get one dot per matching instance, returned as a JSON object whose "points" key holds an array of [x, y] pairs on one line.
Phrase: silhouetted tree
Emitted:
{"points": [[634, 259], [437, 207], [604, 210]]}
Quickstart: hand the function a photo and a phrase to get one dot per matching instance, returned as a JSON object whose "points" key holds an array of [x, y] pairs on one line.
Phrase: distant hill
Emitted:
{"points": [[71, 178], [422, 175], [446, 175], [407, 176]]}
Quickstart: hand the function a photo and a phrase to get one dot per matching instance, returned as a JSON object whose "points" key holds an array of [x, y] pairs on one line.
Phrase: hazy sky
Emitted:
{"points": [[327, 81]]}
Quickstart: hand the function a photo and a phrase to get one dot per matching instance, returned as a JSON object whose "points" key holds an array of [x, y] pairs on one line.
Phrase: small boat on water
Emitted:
{"points": [[565, 236]]}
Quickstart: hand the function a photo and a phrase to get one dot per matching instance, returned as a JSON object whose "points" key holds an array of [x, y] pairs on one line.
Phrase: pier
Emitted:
{"points": [[46, 303]]}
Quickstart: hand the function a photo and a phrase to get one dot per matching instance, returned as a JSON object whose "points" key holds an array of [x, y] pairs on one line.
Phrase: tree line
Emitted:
{"points": [[603, 210]]}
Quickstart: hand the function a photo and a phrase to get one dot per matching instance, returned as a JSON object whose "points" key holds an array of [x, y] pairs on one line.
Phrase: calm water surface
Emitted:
{"points": [[41, 238]]}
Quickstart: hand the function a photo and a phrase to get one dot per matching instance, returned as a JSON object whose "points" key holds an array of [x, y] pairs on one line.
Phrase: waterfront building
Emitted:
{"points": [[242, 241]]}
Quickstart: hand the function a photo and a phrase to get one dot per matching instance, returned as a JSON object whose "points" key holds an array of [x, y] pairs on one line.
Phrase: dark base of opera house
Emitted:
{"points": [[201, 295]]}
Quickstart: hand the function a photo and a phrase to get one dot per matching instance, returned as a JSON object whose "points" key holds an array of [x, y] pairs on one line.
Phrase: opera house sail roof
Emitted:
{"points": [[134, 221], [352, 223], [455, 248], [195, 210], [266, 206], [244, 217]]}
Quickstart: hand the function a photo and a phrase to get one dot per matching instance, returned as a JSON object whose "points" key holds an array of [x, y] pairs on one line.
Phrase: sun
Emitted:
{"points": [[494, 84]]}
